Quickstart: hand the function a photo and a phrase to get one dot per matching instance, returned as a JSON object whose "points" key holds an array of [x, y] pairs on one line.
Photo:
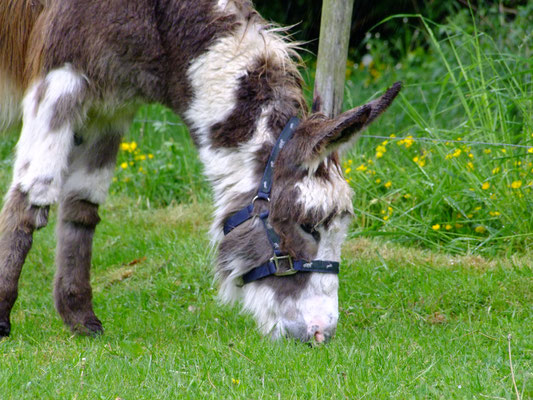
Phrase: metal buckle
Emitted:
{"points": [[260, 198], [290, 271]]}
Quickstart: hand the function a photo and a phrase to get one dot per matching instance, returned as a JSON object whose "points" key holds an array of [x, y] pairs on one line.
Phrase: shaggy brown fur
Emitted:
{"points": [[17, 18]]}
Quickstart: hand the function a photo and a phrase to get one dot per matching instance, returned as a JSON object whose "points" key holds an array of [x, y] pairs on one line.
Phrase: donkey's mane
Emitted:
{"points": [[283, 57]]}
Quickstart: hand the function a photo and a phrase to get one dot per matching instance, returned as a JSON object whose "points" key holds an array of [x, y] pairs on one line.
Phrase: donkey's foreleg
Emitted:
{"points": [[85, 188], [18, 220], [51, 108]]}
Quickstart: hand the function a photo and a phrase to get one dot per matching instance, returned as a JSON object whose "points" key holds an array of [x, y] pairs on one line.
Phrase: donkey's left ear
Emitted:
{"points": [[344, 128]]}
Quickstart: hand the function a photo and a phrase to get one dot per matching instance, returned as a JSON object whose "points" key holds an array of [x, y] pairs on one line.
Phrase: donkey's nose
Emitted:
{"points": [[318, 331]]}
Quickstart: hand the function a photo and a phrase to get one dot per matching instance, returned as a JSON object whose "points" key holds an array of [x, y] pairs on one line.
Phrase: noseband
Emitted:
{"points": [[273, 265]]}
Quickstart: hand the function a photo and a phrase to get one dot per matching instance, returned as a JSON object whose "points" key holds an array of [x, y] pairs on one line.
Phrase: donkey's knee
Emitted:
{"points": [[72, 290]]}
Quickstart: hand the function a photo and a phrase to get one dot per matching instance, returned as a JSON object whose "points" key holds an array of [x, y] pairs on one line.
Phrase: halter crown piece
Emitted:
{"points": [[274, 265]]}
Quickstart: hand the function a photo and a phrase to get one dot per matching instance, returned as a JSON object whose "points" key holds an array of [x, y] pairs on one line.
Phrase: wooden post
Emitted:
{"points": [[332, 55]]}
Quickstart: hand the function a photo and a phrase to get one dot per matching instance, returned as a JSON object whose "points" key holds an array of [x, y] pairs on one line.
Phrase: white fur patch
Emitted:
{"points": [[42, 153], [327, 195]]}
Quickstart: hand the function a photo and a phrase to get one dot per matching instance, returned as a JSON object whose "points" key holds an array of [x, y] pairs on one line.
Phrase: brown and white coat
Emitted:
{"points": [[75, 71]]}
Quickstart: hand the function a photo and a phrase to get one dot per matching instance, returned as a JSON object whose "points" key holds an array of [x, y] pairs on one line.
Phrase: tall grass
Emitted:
{"points": [[455, 170]]}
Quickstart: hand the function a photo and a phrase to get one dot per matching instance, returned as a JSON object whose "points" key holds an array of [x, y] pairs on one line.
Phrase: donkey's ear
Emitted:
{"points": [[344, 128]]}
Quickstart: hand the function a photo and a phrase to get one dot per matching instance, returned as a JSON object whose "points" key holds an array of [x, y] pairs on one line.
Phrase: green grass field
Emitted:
{"points": [[436, 286], [414, 324]]}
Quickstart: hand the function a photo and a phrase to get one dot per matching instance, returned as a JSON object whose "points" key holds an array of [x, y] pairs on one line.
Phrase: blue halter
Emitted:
{"points": [[273, 265]]}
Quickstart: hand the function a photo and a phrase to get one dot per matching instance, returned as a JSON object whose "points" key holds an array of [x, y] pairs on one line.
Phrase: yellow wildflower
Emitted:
{"points": [[124, 146], [487, 151], [407, 196], [385, 218], [448, 227], [494, 213], [496, 170], [530, 150], [235, 381], [436, 227], [133, 146], [485, 185], [347, 170], [392, 135], [381, 149], [470, 166], [480, 229], [362, 167], [378, 180], [388, 184], [379, 154], [408, 141], [457, 153], [420, 161], [516, 184], [124, 165], [150, 156]]}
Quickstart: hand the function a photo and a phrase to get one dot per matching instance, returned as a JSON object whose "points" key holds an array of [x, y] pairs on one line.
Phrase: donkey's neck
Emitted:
{"points": [[245, 88]]}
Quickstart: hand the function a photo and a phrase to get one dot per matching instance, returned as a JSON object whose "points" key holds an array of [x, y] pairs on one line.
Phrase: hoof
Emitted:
{"points": [[91, 327], [5, 328]]}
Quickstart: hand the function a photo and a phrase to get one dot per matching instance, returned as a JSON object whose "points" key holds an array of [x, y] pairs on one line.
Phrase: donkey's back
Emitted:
{"points": [[76, 71]]}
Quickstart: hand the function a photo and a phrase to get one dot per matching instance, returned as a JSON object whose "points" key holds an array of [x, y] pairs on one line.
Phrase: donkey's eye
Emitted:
{"points": [[310, 229]]}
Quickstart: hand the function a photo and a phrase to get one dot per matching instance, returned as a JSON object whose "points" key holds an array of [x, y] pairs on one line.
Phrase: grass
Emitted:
{"points": [[414, 324], [453, 169], [432, 283]]}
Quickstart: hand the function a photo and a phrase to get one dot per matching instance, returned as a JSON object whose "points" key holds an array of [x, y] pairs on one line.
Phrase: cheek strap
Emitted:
{"points": [[280, 264]]}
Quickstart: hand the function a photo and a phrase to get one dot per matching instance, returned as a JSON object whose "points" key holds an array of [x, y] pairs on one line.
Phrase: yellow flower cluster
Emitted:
{"points": [[129, 147], [407, 142], [420, 160], [386, 214], [134, 155]]}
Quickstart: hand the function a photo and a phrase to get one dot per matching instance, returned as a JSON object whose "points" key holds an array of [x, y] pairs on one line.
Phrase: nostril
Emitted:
{"points": [[319, 337], [316, 332]]}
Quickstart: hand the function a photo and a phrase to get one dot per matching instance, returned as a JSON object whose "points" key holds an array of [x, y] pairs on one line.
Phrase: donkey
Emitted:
{"points": [[75, 72]]}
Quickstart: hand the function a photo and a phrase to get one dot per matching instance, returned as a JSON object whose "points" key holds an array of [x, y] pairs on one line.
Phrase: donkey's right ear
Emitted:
{"points": [[344, 128]]}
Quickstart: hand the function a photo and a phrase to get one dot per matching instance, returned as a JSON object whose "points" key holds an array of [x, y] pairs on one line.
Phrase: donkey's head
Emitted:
{"points": [[306, 218]]}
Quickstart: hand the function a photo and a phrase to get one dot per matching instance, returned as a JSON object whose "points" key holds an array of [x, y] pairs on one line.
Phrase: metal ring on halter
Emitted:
{"points": [[262, 198]]}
